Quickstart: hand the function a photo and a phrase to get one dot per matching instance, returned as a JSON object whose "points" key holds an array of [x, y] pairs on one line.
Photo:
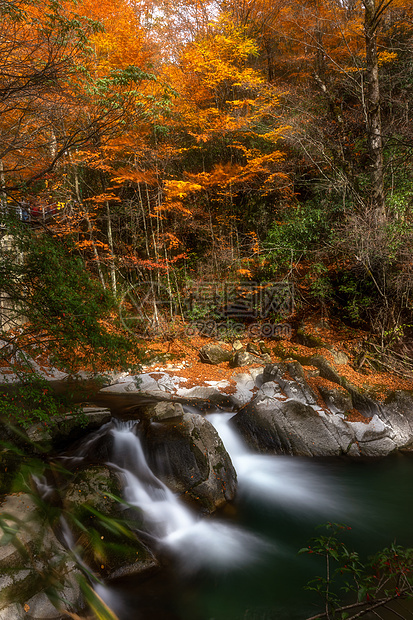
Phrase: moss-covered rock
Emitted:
{"points": [[308, 340]]}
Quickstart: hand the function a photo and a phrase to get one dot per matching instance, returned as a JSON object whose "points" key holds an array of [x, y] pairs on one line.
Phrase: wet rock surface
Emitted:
{"points": [[298, 425], [189, 457]]}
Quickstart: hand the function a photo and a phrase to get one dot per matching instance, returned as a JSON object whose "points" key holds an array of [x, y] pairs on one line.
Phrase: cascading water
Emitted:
{"points": [[288, 482], [195, 542], [281, 498]]}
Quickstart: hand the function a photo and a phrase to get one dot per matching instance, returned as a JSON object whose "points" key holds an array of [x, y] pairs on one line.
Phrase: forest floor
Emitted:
{"points": [[179, 355]]}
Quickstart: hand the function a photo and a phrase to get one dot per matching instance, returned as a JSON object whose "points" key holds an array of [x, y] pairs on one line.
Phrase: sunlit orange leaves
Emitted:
{"points": [[123, 41]]}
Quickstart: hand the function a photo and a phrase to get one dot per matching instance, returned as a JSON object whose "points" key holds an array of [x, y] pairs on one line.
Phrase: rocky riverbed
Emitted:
{"points": [[305, 408]]}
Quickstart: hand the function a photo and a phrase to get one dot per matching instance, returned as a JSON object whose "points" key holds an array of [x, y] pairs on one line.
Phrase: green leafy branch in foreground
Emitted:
{"points": [[55, 306], [53, 568], [367, 586], [33, 401]]}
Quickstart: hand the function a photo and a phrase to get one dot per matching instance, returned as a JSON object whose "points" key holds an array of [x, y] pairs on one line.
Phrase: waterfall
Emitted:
{"points": [[195, 542], [288, 482]]}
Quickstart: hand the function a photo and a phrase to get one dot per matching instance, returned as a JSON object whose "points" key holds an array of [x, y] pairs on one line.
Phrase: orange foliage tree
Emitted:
{"points": [[226, 133]]}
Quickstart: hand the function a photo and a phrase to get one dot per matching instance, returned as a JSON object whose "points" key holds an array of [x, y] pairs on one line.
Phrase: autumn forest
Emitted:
{"points": [[169, 142], [206, 271]]}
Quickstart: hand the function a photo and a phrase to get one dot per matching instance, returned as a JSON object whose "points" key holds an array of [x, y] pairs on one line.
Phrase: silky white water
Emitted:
{"points": [[281, 498], [194, 542], [288, 482]]}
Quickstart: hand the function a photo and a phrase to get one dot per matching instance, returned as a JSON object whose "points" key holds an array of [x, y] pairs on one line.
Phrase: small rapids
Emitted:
{"points": [[194, 542], [288, 482], [248, 570]]}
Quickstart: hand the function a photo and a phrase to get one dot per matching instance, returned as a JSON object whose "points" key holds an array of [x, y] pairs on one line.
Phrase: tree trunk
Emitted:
{"points": [[89, 225], [112, 252], [3, 196], [372, 17]]}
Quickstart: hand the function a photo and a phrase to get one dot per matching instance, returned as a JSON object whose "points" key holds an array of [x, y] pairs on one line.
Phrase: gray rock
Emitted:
{"points": [[257, 375], [270, 390], [243, 358], [273, 372], [377, 448], [286, 428], [337, 399], [354, 450], [189, 457], [69, 428], [164, 411], [297, 388], [397, 414], [143, 383], [18, 586], [373, 431], [237, 345], [214, 354], [292, 427], [41, 608], [13, 612], [125, 387], [341, 430]]}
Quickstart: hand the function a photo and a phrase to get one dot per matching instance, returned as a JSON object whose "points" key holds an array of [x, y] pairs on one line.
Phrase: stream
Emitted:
{"points": [[245, 566]]}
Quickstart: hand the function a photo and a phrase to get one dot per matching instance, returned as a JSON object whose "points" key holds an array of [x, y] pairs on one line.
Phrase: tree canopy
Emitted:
{"points": [[218, 141]]}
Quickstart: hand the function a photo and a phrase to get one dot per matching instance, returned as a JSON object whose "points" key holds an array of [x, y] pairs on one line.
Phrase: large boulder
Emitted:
{"points": [[188, 455], [297, 426], [290, 427]]}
